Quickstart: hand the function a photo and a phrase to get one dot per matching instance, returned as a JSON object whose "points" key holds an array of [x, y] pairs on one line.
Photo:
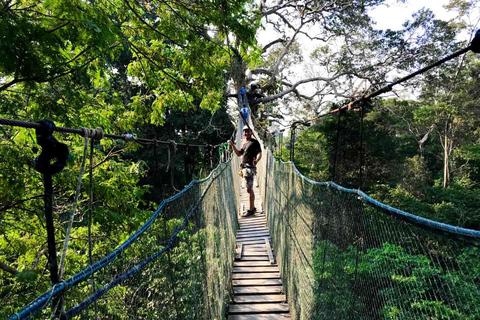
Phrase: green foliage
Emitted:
{"points": [[405, 285], [334, 276]]}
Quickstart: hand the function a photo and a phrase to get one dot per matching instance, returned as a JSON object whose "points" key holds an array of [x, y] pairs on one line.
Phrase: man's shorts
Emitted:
{"points": [[248, 174]]}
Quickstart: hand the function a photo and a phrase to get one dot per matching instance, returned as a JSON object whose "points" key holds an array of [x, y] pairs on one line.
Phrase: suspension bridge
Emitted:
{"points": [[316, 250]]}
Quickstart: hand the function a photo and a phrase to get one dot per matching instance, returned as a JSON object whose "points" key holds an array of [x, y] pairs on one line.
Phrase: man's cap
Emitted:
{"points": [[245, 128]]}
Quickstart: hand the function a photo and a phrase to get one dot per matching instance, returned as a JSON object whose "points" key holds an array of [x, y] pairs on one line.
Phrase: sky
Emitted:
{"points": [[394, 14]]}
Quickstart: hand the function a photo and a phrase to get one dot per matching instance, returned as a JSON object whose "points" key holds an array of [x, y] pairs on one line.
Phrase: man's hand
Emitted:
{"points": [[238, 153], [257, 159]]}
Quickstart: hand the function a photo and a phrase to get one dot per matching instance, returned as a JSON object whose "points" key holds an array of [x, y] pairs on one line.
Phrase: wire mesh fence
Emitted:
{"points": [[345, 256]]}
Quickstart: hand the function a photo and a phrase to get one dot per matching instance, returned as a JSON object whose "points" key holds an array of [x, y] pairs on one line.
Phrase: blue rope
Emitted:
{"points": [[85, 303], [464, 232], [42, 301]]}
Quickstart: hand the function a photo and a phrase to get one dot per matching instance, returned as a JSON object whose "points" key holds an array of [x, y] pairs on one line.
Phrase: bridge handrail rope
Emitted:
{"points": [[464, 232], [97, 133], [85, 303], [42, 301]]}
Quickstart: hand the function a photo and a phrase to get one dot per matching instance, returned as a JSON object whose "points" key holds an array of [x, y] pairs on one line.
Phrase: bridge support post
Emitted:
{"points": [[292, 143]]}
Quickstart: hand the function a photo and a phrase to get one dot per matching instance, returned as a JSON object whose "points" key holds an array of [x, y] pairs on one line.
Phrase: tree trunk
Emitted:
{"points": [[446, 170]]}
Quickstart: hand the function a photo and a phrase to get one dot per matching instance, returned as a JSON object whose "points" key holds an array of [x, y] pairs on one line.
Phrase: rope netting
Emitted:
{"points": [[344, 255], [176, 266]]}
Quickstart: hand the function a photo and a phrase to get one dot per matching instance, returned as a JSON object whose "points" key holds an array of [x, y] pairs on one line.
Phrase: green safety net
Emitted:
{"points": [[192, 280], [343, 257], [180, 267]]}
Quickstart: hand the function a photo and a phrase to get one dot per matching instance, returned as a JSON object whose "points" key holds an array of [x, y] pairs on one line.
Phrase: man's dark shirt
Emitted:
{"points": [[250, 150]]}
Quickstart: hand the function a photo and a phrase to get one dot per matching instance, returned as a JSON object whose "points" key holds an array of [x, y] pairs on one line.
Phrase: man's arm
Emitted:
{"points": [[237, 152], [257, 159]]}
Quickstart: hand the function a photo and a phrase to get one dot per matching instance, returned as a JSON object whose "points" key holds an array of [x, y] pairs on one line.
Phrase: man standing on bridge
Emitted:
{"points": [[252, 153]]}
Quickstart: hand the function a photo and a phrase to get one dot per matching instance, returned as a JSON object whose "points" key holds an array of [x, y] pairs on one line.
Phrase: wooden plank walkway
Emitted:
{"points": [[257, 284]]}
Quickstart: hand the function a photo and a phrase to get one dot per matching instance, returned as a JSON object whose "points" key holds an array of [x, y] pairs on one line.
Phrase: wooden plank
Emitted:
{"points": [[254, 254], [263, 234], [260, 228], [257, 282], [254, 246], [242, 232], [247, 220], [255, 269], [253, 226], [250, 230], [268, 275], [256, 241], [250, 249], [250, 225], [258, 308], [239, 251], [269, 251], [252, 219], [261, 258], [244, 263], [246, 223], [263, 298], [253, 234], [258, 290], [272, 316], [253, 237]]}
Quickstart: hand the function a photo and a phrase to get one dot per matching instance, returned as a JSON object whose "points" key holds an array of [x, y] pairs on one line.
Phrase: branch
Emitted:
{"points": [[110, 154], [59, 27], [148, 25], [8, 269], [277, 8], [262, 71], [284, 53], [7, 6], [294, 86], [12, 204], [272, 43]]}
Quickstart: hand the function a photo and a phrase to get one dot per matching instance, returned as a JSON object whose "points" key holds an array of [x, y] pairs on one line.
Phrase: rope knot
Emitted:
{"points": [[97, 133], [173, 144], [87, 133], [51, 149]]}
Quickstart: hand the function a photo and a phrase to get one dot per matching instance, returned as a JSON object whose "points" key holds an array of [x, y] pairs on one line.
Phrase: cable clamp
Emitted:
{"points": [[129, 137], [97, 133]]}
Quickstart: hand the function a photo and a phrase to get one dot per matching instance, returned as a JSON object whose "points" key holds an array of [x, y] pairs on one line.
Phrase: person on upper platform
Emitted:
{"points": [[252, 153]]}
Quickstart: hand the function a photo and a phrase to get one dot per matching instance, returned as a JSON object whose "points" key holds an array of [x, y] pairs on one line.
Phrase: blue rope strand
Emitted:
{"points": [[464, 232], [85, 303]]}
